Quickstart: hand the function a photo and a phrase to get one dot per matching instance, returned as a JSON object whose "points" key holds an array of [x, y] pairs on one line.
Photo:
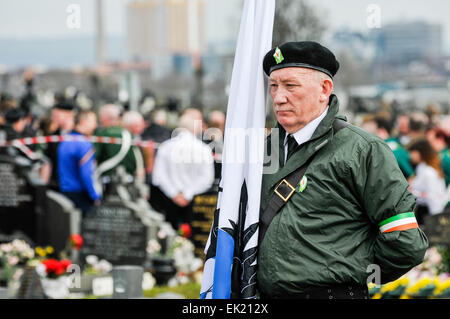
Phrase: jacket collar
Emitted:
{"points": [[322, 135]]}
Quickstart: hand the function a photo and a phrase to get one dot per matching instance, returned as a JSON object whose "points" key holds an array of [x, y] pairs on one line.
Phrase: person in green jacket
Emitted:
{"points": [[351, 217], [109, 155], [383, 129]]}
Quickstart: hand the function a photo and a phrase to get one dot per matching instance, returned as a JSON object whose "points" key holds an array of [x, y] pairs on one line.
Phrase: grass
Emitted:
{"points": [[190, 290]]}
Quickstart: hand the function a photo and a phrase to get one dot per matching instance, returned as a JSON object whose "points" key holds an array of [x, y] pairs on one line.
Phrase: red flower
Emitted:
{"points": [[185, 230], [76, 241], [65, 263], [53, 267]]}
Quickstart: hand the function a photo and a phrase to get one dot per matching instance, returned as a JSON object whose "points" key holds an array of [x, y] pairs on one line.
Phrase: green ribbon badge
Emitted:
{"points": [[302, 184], [278, 55]]}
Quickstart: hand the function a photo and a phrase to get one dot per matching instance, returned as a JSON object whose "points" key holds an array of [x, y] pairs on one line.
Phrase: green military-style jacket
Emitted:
{"points": [[106, 151], [402, 156], [347, 218]]}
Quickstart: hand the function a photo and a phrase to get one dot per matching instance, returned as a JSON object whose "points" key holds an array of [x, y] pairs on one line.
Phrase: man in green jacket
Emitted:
{"points": [[110, 156], [351, 217]]}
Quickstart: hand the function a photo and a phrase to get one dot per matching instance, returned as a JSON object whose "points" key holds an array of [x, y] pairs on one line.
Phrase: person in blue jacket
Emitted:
{"points": [[76, 164]]}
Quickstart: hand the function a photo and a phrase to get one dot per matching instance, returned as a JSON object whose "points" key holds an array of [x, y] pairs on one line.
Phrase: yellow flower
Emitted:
{"points": [[377, 296], [40, 251], [390, 286], [418, 286], [404, 297], [49, 249], [404, 281], [441, 286]]}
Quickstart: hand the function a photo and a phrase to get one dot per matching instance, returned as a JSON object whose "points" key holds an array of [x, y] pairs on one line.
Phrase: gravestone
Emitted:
{"points": [[202, 218], [61, 219], [21, 197], [437, 229], [113, 232]]}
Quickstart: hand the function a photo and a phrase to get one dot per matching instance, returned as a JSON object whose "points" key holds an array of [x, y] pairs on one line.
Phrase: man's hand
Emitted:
{"points": [[180, 200]]}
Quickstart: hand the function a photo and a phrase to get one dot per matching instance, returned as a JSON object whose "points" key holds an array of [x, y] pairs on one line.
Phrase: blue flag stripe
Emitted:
{"points": [[224, 263]]}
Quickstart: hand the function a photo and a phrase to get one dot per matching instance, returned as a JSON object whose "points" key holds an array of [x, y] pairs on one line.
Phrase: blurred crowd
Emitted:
{"points": [[420, 142], [178, 164]]}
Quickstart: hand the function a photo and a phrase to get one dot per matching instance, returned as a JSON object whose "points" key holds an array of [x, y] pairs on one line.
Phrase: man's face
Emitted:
{"points": [[90, 123], [298, 97], [20, 125], [61, 117], [403, 125]]}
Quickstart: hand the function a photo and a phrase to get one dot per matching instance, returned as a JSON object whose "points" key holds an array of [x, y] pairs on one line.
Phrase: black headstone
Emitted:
{"points": [[437, 229], [20, 199], [114, 233], [202, 218], [59, 215]]}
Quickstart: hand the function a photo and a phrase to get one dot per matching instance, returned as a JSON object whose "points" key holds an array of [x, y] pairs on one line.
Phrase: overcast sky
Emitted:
{"points": [[47, 18]]}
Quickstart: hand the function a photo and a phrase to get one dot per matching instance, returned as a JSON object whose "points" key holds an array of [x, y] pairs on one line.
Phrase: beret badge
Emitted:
{"points": [[278, 55]]}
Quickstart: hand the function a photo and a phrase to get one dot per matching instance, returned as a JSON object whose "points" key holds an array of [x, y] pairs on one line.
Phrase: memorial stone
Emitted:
{"points": [[21, 197], [61, 220], [113, 232], [437, 229], [202, 218]]}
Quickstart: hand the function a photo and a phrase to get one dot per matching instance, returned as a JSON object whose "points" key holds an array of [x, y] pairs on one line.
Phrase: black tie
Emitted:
{"points": [[292, 145]]}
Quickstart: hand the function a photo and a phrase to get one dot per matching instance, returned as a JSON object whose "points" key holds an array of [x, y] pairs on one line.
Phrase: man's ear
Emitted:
{"points": [[327, 88]]}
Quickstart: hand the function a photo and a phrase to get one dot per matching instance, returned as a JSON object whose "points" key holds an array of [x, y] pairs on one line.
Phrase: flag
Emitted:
{"points": [[231, 249]]}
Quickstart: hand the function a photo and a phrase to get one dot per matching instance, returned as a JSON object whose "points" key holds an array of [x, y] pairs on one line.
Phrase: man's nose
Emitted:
{"points": [[279, 96]]}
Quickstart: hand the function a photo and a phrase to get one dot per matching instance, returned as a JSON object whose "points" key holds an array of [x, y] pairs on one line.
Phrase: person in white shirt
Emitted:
{"points": [[184, 167], [428, 184]]}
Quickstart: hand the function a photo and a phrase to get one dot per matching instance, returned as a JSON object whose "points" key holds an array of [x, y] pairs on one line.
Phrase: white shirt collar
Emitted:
{"points": [[305, 133]]}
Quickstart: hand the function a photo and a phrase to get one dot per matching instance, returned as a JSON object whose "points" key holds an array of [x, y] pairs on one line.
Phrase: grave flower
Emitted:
{"points": [[76, 241], [153, 247], [185, 230], [44, 251], [96, 266], [55, 268], [13, 255]]}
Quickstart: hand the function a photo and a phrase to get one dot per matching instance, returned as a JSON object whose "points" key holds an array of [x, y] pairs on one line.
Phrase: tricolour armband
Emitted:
{"points": [[402, 221]]}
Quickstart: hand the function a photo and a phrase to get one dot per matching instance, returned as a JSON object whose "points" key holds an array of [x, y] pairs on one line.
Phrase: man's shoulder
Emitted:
{"points": [[357, 134], [353, 139], [112, 131]]}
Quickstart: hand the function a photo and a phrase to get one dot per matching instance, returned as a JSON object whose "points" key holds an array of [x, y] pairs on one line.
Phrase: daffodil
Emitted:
{"points": [[40, 251]]}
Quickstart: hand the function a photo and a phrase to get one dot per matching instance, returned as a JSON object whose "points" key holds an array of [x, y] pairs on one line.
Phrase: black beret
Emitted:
{"points": [[305, 54], [65, 105], [13, 115]]}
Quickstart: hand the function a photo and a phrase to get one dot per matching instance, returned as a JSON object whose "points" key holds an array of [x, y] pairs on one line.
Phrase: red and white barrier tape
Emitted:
{"points": [[22, 143], [60, 138]]}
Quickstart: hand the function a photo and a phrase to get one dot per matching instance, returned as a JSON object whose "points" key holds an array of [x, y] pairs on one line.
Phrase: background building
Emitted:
{"points": [[167, 33], [405, 42]]}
